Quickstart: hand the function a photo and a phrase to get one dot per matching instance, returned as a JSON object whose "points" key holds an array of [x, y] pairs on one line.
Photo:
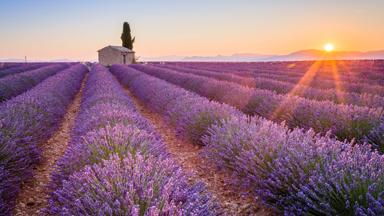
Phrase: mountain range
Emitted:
{"points": [[302, 55]]}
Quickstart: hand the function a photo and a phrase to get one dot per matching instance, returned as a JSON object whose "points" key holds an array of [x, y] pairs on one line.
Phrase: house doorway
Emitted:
{"points": [[124, 60]]}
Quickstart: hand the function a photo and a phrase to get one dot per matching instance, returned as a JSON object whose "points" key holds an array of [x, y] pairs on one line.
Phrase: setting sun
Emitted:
{"points": [[329, 47]]}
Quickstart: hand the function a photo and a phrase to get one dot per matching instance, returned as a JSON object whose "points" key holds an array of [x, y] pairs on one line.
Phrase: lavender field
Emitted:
{"points": [[192, 138]]}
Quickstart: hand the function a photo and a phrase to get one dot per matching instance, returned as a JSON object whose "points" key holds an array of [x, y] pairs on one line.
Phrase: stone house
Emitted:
{"points": [[110, 55]]}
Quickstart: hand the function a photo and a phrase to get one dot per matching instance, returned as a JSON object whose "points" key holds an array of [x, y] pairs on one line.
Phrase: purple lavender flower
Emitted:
{"points": [[27, 121], [116, 163], [16, 84], [376, 137], [345, 121], [283, 87], [294, 171], [21, 67], [191, 114], [297, 171], [349, 183], [361, 81], [135, 185]]}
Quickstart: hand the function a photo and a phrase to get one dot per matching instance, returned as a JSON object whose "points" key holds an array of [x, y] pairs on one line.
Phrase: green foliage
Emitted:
{"points": [[126, 36], [357, 129]]}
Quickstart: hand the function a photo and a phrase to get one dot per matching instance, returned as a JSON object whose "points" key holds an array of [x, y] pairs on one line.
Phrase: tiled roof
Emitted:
{"points": [[120, 48]]}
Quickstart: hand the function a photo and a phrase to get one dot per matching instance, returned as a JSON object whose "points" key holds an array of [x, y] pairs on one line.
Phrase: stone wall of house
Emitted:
{"points": [[110, 56], [130, 58]]}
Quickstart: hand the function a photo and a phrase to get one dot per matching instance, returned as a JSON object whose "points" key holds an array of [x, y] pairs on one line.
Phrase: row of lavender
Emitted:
{"points": [[326, 75], [243, 69], [347, 67], [356, 86], [350, 71], [28, 120], [326, 70], [280, 87], [344, 121], [5, 65], [15, 84], [294, 171], [116, 164], [20, 67], [329, 72]]}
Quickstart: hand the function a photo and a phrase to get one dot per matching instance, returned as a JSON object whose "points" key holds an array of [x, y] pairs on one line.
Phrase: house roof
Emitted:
{"points": [[119, 48]]}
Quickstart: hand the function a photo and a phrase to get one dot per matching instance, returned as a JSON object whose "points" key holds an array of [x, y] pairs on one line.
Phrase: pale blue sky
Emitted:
{"points": [[75, 29]]}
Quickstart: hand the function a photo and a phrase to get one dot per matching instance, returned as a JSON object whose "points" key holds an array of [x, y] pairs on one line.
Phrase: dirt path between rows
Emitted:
{"points": [[33, 197], [231, 200]]}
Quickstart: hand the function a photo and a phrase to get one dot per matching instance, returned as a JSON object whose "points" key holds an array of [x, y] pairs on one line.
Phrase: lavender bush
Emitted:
{"points": [[281, 87], [359, 87], [135, 185], [345, 121], [28, 120], [16, 84], [117, 165], [104, 105], [298, 172], [20, 67], [6, 65], [285, 167], [269, 158], [8, 185], [100, 143], [366, 76], [376, 137], [191, 114], [351, 184]]}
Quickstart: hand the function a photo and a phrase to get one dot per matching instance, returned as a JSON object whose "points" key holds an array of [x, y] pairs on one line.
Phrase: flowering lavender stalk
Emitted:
{"points": [[104, 105], [349, 183], [28, 120], [16, 84], [134, 185], [376, 137], [8, 185], [361, 81], [192, 114], [100, 143], [7, 65], [274, 162], [281, 87], [345, 121], [298, 172], [116, 163], [21, 67]]}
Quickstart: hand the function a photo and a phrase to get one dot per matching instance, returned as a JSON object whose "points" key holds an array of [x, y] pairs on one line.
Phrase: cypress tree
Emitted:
{"points": [[126, 36]]}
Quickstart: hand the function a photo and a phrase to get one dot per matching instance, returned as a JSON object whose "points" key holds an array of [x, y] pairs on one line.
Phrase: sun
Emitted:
{"points": [[328, 47]]}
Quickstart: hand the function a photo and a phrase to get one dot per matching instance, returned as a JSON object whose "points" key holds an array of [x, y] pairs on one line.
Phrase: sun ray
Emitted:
{"points": [[307, 78], [346, 69], [337, 80]]}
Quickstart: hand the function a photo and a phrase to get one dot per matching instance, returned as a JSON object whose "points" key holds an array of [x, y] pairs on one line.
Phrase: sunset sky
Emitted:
{"points": [[76, 29]]}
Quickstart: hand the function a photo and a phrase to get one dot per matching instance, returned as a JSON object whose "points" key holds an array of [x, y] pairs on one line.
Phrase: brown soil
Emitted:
{"points": [[34, 194], [231, 199]]}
